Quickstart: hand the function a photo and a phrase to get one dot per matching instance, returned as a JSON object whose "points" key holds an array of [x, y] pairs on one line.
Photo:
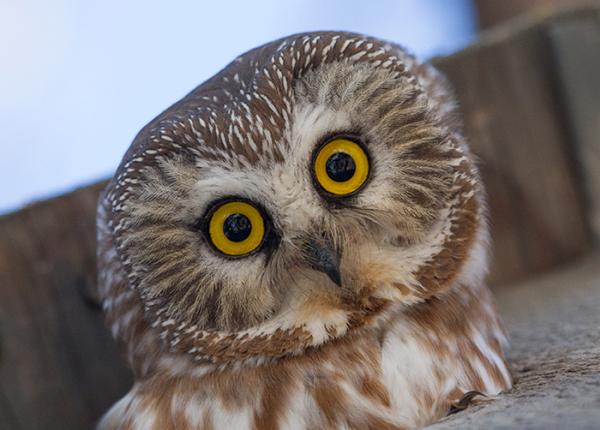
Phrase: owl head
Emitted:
{"points": [[314, 186]]}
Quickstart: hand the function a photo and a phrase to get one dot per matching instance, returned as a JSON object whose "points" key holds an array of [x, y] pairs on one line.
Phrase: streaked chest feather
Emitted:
{"points": [[404, 376]]}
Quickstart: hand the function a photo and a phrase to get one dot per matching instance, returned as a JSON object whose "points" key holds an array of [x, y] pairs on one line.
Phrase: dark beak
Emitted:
{"points": [[321, 256]]}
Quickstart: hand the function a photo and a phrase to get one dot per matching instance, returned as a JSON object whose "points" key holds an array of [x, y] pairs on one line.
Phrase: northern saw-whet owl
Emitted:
{"points": [[300, 243]]}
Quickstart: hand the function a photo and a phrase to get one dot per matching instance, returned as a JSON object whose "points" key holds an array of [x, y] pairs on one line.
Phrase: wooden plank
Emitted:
{"points": [[491, 13], [59, 367], [576, 48], [516, 126]]}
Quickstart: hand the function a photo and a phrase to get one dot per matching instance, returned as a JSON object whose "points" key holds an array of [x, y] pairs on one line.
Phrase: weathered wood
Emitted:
{"points": [[491, 13], [60, 369], [515, 122], [576, 47]]}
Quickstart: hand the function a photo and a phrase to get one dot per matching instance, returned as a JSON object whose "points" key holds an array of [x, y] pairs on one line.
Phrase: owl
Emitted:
{"points": [[300, 243]]}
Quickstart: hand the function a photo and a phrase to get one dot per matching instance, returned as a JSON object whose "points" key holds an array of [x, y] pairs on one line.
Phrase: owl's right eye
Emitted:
{"points": [[236, 227]]}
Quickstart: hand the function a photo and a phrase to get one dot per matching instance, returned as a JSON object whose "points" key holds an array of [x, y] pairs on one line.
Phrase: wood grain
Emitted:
{"points": [[59, 367], [576, 49], [516, 124]]}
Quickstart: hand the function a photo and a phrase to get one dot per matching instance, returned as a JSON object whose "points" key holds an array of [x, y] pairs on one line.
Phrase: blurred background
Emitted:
{"points": [[78, 79]]}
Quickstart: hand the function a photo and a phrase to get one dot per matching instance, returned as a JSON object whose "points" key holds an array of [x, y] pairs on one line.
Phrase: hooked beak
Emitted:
{"points": [[321, 256]]}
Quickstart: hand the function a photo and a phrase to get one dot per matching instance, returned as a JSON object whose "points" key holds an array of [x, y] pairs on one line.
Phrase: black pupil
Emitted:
{"points": [[340, 167], [237, 227]]}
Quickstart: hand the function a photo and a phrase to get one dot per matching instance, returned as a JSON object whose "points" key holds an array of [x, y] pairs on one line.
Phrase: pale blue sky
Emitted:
{"points": [[78, 78]]}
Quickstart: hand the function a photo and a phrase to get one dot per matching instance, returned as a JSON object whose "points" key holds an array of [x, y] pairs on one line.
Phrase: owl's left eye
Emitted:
{"points": [[236, 228], [341, 166]]}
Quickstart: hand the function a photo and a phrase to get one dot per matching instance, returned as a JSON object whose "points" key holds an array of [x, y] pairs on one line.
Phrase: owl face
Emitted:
{"points": [[310, 188]]}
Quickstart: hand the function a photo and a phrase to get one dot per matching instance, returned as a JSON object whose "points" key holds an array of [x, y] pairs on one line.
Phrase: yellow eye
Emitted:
{"points": [[236, 228], [341, 167]]}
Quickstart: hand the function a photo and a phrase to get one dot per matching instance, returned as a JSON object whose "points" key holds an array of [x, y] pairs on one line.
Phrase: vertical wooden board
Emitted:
{"points": [[553, 227], [59, 367], [576, 49], [469, 79], [514, 124]]}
